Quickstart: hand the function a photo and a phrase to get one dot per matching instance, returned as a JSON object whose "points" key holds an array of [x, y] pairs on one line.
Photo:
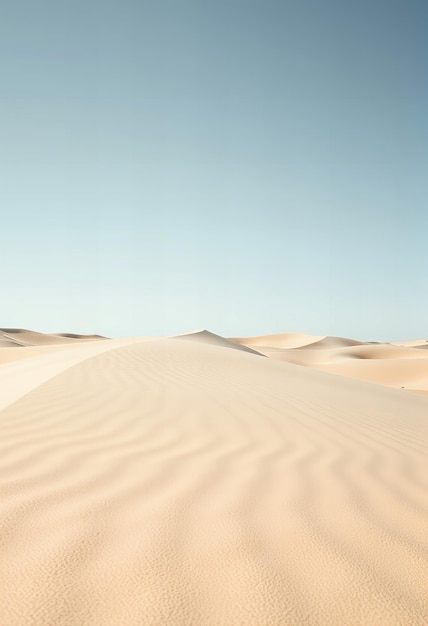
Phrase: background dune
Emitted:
{"points": [[204, 336], [402, 365], [286, 340], [412, 344], [22, 337], [185, 481]]}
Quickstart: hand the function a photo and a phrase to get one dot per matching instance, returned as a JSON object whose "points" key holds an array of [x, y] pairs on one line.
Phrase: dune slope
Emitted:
{"points": [[180, 482], [204, 336]]}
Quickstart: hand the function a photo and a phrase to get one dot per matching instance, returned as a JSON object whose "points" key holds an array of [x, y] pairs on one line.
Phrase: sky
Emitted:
{"points": [[246, 166]]}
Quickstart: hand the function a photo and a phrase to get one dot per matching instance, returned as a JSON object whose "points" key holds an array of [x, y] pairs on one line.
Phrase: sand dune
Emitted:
{"points": [[399, 365], [21, 375], [204, 336], [287, 340], [184, 481], [297, 341], [22, 337], [332, 342]]}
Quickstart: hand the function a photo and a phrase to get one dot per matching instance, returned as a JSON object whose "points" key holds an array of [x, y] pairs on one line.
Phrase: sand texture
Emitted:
{"points": [[203, 481]]}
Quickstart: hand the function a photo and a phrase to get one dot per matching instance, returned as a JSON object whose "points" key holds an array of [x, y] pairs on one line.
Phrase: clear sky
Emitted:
{"points": [[247, 166]]}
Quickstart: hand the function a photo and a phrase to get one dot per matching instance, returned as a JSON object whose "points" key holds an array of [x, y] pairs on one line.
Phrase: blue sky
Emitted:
{"points": [[244, 166]]}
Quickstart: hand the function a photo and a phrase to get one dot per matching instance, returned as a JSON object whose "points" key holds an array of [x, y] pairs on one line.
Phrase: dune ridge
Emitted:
{"points": [[185, 481]]}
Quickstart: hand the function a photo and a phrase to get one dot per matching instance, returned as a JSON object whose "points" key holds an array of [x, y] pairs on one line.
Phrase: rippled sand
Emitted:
{"points": [[191, 481]]}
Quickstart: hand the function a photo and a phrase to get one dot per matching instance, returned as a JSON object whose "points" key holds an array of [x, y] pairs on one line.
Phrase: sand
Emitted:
{"points": [[188, 481], [401, 365]]}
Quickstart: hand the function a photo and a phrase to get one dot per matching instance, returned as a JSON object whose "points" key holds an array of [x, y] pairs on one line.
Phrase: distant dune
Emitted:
{"points": [[289, 340], [398, 365], [191, 481], [22, 337]]}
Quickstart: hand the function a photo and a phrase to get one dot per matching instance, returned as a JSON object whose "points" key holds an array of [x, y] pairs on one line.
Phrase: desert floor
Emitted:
{"points": [[198, 480]]}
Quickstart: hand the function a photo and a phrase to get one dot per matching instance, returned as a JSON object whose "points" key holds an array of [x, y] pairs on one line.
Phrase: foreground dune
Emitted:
{"points": [[187, 481]]}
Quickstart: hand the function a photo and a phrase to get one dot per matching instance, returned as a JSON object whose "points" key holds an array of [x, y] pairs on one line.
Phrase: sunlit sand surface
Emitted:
{"points": [[200, 480]]}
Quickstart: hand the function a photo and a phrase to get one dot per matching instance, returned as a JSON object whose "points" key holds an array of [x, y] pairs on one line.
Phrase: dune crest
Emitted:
{"points": [[205, 336]]}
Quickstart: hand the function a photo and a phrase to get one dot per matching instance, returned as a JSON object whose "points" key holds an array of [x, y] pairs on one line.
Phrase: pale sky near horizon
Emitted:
{"points": [[249, 167]]}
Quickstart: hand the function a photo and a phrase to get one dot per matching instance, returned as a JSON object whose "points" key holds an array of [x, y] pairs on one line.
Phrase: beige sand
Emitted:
{"points": [[400, 365], [21, 337], [186, 481]]}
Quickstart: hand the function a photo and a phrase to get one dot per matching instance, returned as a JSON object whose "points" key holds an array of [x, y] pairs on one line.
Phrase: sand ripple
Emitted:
{"points": [[182, 482]]}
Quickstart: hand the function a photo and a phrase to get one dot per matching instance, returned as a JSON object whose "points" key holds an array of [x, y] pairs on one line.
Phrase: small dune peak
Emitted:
{"points": [[206, 336]]}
